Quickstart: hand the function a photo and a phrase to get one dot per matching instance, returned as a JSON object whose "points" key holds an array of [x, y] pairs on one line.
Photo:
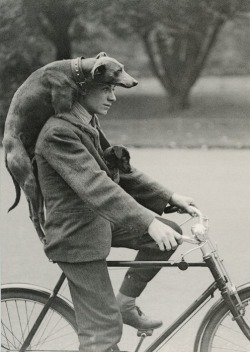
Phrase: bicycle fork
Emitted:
{"points": [[228, 293]]}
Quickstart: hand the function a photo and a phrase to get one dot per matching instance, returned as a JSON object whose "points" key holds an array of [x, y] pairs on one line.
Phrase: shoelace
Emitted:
{"points": [[139, 311]]}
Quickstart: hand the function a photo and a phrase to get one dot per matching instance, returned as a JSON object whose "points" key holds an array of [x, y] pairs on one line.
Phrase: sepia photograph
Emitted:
{"points": [[125, 175]]}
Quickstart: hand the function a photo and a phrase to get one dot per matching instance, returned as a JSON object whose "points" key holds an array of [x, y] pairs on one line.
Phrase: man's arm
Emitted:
{"points": [[149, 193], [64, 151]]}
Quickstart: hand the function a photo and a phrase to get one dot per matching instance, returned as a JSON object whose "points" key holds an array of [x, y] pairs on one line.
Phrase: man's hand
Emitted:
{"points": [[186, 204], [164, 235]]}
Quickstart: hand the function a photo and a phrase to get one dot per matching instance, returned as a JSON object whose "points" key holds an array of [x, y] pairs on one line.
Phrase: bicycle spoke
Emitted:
{"points": [[51, 331], [10, 324], [19, 319], [231, 329], [234, 344], [54, 339], [56, 332], [14, 337], [28, 318], [44, 326], [5, 335], [229, 349]]}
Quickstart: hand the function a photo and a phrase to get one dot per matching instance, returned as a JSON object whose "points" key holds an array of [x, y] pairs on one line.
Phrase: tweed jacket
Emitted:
{"points": [[81, 199]]}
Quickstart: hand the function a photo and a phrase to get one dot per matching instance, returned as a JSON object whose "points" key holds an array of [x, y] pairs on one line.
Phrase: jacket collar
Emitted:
{"points": [[86, 128], [81, 113]]}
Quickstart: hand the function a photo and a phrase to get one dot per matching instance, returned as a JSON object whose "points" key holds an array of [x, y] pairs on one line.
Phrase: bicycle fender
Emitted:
{"points": [[217, 305], [33, 289]]}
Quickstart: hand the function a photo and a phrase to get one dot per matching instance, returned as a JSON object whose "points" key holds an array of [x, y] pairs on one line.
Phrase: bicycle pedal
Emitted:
{"points": [[144, 333]]}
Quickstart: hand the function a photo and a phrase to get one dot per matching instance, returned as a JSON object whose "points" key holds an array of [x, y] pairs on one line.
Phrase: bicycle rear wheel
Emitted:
{"points": [[222, 333], [20, 308]]}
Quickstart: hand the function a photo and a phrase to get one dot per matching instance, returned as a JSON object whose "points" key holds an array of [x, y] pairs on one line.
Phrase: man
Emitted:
{"points": [[87, 212]]}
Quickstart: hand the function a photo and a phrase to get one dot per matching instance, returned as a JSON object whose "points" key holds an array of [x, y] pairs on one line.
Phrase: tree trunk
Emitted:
{"points": [[178, 102], [63, 48], [178, 58]]}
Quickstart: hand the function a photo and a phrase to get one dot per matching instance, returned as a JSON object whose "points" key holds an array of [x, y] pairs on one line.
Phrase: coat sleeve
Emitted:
{"points": [[65, 152], [142, 188], [145, 191]]}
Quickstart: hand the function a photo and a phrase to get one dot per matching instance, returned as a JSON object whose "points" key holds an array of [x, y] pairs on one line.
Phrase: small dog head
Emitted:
{"points": [[110, 71], [117, 157]]}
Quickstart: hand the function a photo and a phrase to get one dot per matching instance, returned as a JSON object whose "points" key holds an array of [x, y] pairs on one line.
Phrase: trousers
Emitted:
{"points": [[98, 316]]}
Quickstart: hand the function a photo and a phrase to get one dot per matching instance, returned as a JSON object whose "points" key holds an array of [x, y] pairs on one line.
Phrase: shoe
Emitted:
{"points": [[138, 320]]}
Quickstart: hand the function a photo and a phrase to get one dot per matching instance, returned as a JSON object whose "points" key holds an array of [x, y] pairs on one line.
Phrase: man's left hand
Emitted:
{"points": [[184, 203]]}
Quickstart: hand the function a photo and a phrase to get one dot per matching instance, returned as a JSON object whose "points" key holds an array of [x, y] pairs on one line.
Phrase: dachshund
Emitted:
{"points": [[50, 90], [117, 159]]}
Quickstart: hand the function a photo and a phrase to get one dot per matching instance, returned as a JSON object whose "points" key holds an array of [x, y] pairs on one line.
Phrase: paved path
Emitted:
{"points": [[219, 182]]}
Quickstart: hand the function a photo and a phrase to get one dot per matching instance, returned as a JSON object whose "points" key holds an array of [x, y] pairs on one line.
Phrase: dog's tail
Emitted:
{"points": [[17, 188]]}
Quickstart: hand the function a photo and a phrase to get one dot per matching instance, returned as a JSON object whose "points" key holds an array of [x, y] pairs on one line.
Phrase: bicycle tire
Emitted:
{"points": [[20, 308], [222, 332]]}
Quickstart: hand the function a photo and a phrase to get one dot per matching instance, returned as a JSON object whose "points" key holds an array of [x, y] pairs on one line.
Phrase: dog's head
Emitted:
{"points": [[118, 157], [110, 71], [101, 69]]}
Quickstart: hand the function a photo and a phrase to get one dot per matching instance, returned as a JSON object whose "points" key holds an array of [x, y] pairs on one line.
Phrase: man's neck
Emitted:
{"points": [[81, 113]]}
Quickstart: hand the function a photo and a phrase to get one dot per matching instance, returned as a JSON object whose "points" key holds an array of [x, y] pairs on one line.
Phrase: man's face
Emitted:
{"points": [[99, 98]]}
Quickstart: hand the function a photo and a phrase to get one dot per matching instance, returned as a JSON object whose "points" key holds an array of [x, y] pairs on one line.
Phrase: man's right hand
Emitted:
{"points": [[164, 236]]}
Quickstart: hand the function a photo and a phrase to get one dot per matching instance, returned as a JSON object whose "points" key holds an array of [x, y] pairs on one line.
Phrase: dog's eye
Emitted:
{"points": [[118, 71]]}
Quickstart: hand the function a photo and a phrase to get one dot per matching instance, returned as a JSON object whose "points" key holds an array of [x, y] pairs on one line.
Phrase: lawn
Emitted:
{"points": [[219, 116]]}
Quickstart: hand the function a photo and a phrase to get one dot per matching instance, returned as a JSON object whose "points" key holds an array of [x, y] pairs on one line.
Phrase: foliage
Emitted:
{"points": [[171, 37], [22, 51], [177, 35]]}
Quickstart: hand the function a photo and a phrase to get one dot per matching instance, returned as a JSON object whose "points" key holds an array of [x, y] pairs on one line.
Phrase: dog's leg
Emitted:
{"points": [[36, 217], [33, 194]]}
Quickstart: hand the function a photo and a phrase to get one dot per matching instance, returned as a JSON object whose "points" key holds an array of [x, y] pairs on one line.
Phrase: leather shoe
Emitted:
{"points": [[138, 320]]}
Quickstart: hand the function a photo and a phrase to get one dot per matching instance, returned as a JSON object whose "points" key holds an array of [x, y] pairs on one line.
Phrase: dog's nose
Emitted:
{"points": [[135, 83]]}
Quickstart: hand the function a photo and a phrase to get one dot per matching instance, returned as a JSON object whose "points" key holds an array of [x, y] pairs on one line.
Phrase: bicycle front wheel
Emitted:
{"points": [[222, 332], [20, 308]]}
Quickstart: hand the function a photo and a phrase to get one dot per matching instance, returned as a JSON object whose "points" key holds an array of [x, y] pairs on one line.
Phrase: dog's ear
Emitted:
{"points": [[118, 151], [101, 54], [98, 70]]}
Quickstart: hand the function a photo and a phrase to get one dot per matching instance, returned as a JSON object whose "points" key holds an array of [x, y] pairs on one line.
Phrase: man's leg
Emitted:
{"points": [[136, 279], [97, 313]]}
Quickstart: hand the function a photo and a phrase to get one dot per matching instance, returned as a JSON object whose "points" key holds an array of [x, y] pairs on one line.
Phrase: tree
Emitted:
{"points": [[54, 19], [22, 51], [33, 33], [177, 35]]}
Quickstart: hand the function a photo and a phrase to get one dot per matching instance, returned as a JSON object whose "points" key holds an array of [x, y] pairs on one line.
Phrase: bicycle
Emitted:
{"points": [[35, 318]]}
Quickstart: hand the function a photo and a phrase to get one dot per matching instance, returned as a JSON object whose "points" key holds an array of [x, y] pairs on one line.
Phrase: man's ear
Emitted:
{"points": [[118, 151], [101, 54]]}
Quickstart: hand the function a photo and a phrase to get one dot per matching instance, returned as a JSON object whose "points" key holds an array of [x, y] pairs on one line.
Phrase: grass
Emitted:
{"points": [[219, 116]]}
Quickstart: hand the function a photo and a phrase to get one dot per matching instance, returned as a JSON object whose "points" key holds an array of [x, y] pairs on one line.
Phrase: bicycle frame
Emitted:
{"points": [[219, 283], [212, 261]]}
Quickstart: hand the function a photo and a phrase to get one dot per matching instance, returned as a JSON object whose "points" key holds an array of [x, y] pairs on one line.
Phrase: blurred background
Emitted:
{"points": [[191, 58], [186, 124]]}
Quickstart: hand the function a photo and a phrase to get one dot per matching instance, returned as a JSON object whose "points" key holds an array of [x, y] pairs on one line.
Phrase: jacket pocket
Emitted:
{"points": [[71, 216]]}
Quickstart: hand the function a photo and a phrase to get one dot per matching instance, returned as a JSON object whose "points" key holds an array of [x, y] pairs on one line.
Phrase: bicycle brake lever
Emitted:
{"points": [[171, 209]]}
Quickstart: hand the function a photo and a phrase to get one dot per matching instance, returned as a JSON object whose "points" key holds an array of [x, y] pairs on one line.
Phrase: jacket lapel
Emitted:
{"points": [[94, 139]]}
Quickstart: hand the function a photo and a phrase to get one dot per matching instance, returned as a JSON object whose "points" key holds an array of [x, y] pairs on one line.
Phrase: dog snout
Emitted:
{"points": [[126, 81]]}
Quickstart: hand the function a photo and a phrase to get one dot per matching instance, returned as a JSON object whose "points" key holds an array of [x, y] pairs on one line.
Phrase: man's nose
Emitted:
{"points": [[112, 96]]}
